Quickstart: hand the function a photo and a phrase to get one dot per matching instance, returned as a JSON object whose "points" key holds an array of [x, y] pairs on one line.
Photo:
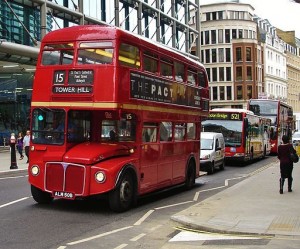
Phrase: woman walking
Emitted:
{"points": [[286, 164], [20, 145]]}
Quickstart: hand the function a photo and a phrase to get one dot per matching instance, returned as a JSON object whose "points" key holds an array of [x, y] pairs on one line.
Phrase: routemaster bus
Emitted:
{"points": [[281, 115], [246, 135], [113, 114]]}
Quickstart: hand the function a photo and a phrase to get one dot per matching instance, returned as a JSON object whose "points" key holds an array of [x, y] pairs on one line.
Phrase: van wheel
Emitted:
{"points": [[121, 198], [40, 196], [222, 165], [211, 170]]}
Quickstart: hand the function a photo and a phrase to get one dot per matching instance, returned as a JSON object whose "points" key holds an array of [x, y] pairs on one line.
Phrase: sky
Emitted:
{"points": [[283, 14]]}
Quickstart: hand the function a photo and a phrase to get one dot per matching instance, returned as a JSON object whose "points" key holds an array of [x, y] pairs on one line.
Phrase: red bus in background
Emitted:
{"points": [[245, 134], [115, 114], [281, 115]]}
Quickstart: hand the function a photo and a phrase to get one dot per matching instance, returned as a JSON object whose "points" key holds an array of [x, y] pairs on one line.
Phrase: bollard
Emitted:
{"points": [[13, 158]]}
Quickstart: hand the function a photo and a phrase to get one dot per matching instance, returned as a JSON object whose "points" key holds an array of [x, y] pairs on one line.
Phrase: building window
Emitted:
{"points": [[249, 73], [207, 56], [202, 56], [239, 73], [220, 15], [220, 36], [201, 34], [228, 55], [214, 55], [228, 93], [221, 74], [238, 52], [228, 73], [240, 34], [214, 15], [213, 37], [222, 93], [248, 54], [206, 37], [239, 92], [233, 31], [249, 92], [208, 16], [227, 35], [245, 33], [214, 74], [215, 93], [208, 74], [221, 54]]}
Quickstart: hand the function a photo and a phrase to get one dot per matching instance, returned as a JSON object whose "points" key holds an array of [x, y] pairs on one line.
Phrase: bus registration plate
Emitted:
{"points": [[63, 195]]}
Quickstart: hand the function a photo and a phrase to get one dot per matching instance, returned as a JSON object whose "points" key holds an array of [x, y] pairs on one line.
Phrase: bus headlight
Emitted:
{"points": [[100, 176], [35, 170]]}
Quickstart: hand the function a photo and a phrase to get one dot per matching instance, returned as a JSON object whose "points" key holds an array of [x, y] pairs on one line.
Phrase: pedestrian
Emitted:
{"points": [[20, 145], [26, 144], [286, 164]]}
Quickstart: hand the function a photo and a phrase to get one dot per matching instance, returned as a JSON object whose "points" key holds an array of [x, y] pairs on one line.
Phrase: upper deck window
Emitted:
{"points": [[166, 68], [179, 71], [58, 54], [95, 53], [150, 62], [202, 79], [191, 76], [129, 55]]}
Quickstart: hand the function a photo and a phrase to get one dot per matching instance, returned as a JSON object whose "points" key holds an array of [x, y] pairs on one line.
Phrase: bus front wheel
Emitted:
{"points": [[40, 196], [121, 198]]}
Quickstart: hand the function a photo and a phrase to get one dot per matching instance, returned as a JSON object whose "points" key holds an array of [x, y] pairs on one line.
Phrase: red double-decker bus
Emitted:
{"points": [[281, 115], [113, 113], [246, 135]]}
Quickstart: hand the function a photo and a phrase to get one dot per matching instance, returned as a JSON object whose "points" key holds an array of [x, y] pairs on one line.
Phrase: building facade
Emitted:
{"points": [[231, 54]]}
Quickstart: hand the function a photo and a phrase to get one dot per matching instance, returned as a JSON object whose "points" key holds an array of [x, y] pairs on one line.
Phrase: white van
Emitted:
{"points": [[212, 152]]}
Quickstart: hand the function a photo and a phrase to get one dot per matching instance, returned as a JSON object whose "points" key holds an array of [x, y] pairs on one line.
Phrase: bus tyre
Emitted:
{"points": [[40, 196], [121, 198], [190, 176]]}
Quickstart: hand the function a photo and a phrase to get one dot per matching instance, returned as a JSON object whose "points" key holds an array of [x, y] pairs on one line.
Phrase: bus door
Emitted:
{"points": [[149, 157]]}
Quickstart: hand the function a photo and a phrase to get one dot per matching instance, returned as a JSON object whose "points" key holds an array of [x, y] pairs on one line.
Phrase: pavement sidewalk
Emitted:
{"points": [[252, 206], [5, 161]]}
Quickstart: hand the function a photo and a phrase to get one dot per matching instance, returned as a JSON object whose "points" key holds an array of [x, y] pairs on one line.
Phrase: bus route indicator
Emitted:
{"points": [[225, 116], [83, 77]]}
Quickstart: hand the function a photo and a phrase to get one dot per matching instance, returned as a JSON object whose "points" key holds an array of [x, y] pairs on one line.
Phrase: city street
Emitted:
{"points": [[90, 224]]}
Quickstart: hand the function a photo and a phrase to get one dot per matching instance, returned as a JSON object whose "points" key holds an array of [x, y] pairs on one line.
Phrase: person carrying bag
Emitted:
{"points": [[286, 163]]}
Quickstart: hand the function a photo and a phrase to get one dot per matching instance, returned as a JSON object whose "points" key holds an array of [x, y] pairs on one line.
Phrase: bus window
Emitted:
{"points": [[166, 68], [95, 53], [202, 79], [179, 71], [191, 128], [165, 131], [179, 132], [44, 126], [150, 62], [109, 130], [129, 55], [57, 54], [149, 133], [79, 126], [191, 77]]}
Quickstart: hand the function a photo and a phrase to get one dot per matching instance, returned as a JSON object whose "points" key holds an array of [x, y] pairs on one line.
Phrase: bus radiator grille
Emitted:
{"points": [[65, 177]]}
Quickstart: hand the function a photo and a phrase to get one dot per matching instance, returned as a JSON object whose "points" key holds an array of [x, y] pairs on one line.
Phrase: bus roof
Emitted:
{"points": [[96, 32]]}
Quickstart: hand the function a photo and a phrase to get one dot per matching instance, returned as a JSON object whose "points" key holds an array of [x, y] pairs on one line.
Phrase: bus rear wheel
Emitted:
{"points": [[40, 196], [190, 176], [121, 198]]}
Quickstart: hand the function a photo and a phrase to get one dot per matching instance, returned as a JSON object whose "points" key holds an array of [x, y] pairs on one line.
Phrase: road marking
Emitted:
{"points": [[173, 205], [145, 216], [192, 236], [136, 238], [13, 202], [98, 236], [121, 246], [12, 177]]}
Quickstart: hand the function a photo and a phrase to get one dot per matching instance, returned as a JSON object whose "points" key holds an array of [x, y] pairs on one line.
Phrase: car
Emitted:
{"points": [[296, 138], [212, 152]]}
